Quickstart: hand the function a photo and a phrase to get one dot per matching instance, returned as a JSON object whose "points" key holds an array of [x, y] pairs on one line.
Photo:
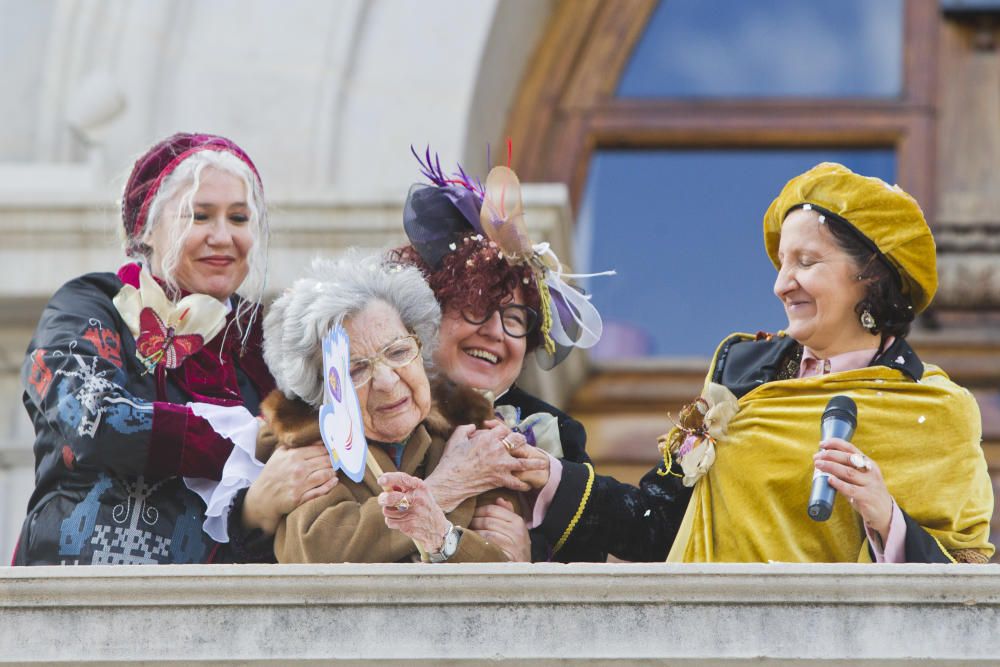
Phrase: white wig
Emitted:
{"points": [[335, 290]]}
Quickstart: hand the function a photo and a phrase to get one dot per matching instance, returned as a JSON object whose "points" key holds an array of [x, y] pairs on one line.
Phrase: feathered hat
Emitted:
{"points": [[457, 209]]}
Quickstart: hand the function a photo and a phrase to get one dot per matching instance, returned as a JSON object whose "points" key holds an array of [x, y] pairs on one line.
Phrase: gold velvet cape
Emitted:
{"points": [[925, 436]]}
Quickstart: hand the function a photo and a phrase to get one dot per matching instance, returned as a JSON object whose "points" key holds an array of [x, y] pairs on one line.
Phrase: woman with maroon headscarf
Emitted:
{"points": [[140, 382]]}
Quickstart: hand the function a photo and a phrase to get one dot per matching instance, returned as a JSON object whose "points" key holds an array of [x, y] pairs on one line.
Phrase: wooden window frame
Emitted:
{"points": [[566, 107]]}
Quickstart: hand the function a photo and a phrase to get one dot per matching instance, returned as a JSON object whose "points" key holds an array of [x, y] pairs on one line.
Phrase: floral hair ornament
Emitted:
{"points": [[569, 319], [496, 211]]}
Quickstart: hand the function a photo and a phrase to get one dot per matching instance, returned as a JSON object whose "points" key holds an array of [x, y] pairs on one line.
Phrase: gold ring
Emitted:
{"points": [[403, 504], [507, 443]]}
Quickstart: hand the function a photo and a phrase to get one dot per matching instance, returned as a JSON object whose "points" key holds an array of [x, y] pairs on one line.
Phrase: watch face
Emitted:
{"points": [[451, 539], [450, 546]]}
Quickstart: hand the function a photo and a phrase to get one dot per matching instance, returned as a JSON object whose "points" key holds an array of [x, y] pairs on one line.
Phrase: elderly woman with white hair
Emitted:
{"points": [[392, 318], [139, 379]]}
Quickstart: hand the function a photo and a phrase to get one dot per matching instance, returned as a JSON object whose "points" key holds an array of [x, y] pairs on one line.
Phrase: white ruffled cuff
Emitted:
{"points": [[242, 468]]}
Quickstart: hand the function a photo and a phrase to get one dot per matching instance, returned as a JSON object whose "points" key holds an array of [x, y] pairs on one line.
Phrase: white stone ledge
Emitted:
{"points": [[542, 614]]}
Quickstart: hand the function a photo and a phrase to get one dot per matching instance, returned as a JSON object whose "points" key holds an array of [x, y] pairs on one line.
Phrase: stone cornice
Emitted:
{"points": [[405, 584]]}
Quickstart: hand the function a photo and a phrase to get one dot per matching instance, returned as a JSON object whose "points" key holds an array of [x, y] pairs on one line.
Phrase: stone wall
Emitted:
{"points": [[776, 614]]}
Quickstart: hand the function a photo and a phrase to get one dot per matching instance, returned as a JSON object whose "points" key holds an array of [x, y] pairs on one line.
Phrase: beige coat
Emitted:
{"points": [[347, 525]]}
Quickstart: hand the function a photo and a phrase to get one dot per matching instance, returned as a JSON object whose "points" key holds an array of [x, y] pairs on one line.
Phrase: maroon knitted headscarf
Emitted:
{"points": [[157, 163]]}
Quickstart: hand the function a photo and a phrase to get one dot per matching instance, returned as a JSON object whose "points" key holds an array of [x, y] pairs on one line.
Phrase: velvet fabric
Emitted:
{"points": [[157, 163], [925, 436]]}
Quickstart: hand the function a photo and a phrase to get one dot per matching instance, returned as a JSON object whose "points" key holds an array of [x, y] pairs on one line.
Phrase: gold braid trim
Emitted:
{"points": [[579, 510], [969, 556], [668, 459], [546, 299]]}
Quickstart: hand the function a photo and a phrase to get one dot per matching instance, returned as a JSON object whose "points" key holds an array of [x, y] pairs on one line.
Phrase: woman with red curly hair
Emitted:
{"points": [[495, 310]]}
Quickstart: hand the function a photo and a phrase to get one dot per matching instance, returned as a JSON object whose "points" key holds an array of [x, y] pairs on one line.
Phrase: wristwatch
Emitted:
{"points": [[449, 547]]}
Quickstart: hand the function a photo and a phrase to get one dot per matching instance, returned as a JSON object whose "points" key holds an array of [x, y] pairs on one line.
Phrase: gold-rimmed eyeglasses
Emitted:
{"points": [[396, 354]]}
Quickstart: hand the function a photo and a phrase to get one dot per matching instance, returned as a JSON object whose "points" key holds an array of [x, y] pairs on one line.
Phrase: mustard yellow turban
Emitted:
{"points": [[883, 213]]}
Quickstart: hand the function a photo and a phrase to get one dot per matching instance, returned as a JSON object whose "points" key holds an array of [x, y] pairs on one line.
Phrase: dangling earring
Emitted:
{"points": [[867, 320]]}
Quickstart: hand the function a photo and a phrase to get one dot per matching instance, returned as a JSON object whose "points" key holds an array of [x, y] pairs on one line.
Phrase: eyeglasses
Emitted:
{"points": [[517, 321], [400, 352]]}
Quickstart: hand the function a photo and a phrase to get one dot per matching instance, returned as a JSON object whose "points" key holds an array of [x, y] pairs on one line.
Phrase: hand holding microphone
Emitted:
{"points": [[840, 467], [839, 421]]}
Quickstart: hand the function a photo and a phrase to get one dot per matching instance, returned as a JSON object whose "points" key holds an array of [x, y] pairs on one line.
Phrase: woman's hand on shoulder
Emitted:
{"points": [[409, 507], [290, 478], [500, 524], [859, 480]]}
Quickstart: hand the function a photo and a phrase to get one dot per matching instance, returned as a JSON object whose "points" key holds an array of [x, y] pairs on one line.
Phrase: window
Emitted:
{"points": [[769, 48], [683, 229]]}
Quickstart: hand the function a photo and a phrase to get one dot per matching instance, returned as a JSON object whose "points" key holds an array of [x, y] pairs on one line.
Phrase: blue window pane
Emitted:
{"points": [[769, 48], [684, 230]]}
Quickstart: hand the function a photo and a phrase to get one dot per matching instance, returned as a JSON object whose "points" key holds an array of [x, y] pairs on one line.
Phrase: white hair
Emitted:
{"points": [[335, 290], [182, 184]]}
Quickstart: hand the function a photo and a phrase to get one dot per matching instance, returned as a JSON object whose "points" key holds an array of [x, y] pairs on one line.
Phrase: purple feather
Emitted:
{"points": [[431, 169]]}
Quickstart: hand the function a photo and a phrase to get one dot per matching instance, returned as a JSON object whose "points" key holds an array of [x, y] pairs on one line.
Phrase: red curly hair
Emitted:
{"points": [[476, 277]]}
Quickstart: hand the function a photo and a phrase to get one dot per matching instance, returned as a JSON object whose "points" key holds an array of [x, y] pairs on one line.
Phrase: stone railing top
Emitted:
{"points": [[510, 582]]}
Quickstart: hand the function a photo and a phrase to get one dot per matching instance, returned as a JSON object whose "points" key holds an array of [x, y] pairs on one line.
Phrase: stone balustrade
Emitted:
{"points": [[528, 614]]}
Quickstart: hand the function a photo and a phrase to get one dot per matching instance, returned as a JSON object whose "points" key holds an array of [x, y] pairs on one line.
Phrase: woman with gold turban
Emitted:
{"points": [[856, 262]]}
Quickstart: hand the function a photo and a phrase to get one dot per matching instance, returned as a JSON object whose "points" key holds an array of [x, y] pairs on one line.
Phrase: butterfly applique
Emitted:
{"points": [[167, 333], [161, 344]]}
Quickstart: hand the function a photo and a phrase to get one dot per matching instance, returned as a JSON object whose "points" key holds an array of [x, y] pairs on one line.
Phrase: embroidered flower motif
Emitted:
{"points": [[700, 426], [41, 376], [106, 342]]}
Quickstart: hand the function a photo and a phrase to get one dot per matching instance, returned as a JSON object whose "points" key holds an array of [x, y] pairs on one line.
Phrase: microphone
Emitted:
{"points": [[839, 420]]}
